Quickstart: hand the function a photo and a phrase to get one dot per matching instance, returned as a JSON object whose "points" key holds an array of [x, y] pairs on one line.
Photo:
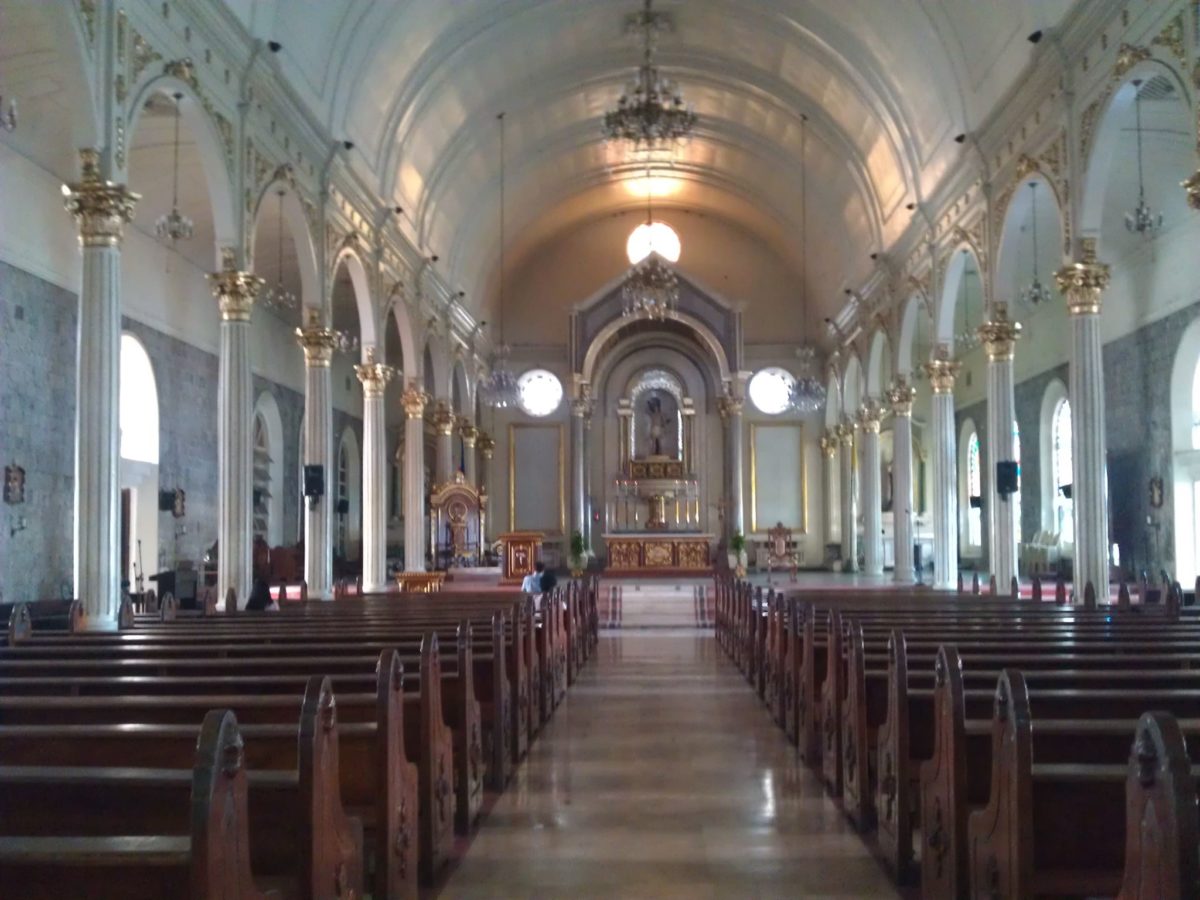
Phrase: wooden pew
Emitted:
{"points": [[45, 615], [207, 855]]}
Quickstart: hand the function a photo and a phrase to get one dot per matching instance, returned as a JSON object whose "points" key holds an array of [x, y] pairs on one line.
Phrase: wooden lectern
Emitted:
{"points": [[521, 549]]}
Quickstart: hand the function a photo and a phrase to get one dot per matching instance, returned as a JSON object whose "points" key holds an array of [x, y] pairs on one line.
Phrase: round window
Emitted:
{"points": [[771, 390], [540, 392]]}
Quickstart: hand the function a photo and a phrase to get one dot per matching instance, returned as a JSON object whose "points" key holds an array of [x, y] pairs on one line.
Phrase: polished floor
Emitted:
{"points": [[661, 777]]}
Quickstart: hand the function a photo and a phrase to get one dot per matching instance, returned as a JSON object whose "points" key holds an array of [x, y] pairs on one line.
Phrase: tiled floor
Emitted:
{"points": [[662, 777]]}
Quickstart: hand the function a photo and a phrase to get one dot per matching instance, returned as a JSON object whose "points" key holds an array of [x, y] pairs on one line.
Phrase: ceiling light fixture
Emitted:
{"points": [[651, 288], [277, 296], [174, 226], [651, 114], [499, 389], [1036, 292], [807, 392], [1142, 220], [967, 338]]}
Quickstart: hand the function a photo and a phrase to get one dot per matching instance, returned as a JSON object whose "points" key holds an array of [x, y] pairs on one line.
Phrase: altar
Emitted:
{"points": [[662, 553]]}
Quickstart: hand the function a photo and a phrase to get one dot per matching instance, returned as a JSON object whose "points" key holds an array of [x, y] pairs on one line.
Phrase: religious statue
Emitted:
{"points": [[657, 424]]}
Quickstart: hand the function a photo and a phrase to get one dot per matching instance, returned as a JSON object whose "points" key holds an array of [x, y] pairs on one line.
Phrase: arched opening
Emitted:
{"points": [[1056, 410], [970, 490], [347, 544], [1185, 457], [138, 416], [267, 471]]}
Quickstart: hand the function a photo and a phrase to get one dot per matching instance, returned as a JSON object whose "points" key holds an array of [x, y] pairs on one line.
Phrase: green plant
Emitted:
{"points": [[576, 545], [737, 543]]}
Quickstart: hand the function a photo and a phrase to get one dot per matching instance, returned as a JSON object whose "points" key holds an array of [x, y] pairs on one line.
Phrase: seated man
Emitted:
{"points": [[532, 583]]}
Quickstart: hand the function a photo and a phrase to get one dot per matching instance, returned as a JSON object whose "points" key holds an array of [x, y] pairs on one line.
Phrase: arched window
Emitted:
{"points": [[138, 412], [262, 479], [1195, 408], [1016, 498], [343, 499], [1060, 468], [974, 493]]}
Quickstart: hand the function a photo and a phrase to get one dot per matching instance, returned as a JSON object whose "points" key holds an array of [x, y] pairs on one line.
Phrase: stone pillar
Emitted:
{"points": [[869, 418], [443, 423], [829, 453], [999, 338], [470, 436], [900, 396], [581, 411], [689, 436], [414, 400], [487, 447], [101, 210], [374, 377], [318, 344], [1083, 284], [942, 373], [624, 436], [737, 453], [236, 292], [845, 433]]}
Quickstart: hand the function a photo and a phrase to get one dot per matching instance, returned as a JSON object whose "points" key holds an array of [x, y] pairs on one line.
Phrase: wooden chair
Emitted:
{"points": [[780, 550]]}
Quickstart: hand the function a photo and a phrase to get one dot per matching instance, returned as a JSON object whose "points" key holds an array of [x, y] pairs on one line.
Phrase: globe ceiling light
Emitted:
{"points": [[653, 237], [651, 114]]}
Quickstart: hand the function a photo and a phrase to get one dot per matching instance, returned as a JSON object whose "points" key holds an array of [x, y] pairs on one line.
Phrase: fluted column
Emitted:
{"points": [[869, 418], [487, 448], [101, 210], [470, 436], [581, 410], [374, 378], [999, 338], [942, 373], [414, 400], [845, 433], [443, 424], [737, 454], [318, 344], [1083, 284], [900, 396], [829, 458]]}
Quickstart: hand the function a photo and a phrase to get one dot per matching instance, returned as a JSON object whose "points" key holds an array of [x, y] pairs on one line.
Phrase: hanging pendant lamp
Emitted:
{"points": [[1036, 292], [808, 390], [500, 390], [175, 226]]}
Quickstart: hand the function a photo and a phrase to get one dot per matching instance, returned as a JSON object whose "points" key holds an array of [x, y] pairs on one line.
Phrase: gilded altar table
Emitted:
{"points": [[659, 553]]}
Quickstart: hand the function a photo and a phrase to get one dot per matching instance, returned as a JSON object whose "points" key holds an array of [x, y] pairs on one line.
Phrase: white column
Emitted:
{"points": [[470, 437], [901, 398], [487, 447], [414, 400], [318, 343], [829, 457], [942, 373], [1083, 285], [845, 433], [581, 409], [101, 209], [999, 338], [235, 292], [443, 423], [737, 455], [868, 463], [374, 377]]}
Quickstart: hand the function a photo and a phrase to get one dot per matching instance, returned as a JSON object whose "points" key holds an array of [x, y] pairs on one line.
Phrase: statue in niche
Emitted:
{"points": [[661, 429]]}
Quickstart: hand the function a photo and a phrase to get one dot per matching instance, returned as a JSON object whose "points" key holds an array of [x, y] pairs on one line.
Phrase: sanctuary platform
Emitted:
{"points": [[661, 553]]}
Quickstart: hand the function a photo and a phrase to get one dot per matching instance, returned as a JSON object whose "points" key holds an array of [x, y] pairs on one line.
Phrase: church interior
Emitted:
{"points": [[600, 448]]}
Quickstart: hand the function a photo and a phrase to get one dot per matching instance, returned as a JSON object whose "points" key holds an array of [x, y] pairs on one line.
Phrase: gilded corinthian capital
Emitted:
{"points": [[942, 373], [100, 207], [1083, 284], [999, 336], [414, 399], [236, 292], [373, 375], [318, 344], [901, 395], [443, 419]]}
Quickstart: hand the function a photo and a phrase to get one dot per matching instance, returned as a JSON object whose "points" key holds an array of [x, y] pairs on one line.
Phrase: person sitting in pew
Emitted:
{"points": [[260, 598]]}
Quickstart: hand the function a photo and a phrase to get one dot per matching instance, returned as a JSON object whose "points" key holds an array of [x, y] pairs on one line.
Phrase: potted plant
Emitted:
{"points": [[577, 554], [737, 554]]}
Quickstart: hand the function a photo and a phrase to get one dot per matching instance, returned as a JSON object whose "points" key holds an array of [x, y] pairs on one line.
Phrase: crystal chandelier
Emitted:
{"points": [[1142, 220], [651, 114], [808, 392], [651, 289], [277, 296], [966, 339], [174, 226], [1036, 292], [500, 390]]}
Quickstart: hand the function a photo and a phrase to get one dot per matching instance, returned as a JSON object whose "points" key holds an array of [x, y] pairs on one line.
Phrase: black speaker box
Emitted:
{"points": [[314, 481], [1008, 477], [166, 501], [343, 507], [1065, 490], [976, 503]]}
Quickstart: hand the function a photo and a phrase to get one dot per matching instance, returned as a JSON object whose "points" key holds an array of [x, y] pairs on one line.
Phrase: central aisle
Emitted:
{"points": [[661, 776]]}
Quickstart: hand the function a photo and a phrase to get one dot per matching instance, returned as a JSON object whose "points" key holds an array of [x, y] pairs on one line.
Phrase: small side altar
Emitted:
{"points": [[663, 552]]}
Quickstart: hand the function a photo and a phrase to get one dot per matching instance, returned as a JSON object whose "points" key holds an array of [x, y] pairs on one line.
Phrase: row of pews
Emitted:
{"points": [[330, 750], [991, 748]]}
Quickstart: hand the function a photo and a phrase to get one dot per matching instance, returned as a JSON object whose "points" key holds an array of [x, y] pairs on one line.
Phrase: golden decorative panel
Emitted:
{"points": [[657, 555]]}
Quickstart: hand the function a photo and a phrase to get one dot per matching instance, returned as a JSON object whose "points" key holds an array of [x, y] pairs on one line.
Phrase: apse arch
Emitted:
{"points": [[211, 150], [296, 222], [612, 332]]}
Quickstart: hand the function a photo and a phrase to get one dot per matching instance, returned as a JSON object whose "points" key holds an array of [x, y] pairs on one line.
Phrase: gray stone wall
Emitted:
{"points": [[1028, 397], [976, 412], [37, 432], [291, 414]]}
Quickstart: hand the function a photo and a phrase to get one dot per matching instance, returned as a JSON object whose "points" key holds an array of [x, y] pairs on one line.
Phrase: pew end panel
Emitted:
{"points": [[396, 805], [944, 787], [894, 784]]}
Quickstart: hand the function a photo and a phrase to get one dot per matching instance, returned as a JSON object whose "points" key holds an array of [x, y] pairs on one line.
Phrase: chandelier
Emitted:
{"points": [[966, 339], [174, 226], [499, 389], [808, 392], [651, 114], [277, 296], [651, 289], [1036, 292], [1142, 220]]}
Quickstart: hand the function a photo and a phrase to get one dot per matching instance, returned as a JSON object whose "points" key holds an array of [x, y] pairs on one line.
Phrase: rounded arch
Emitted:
{"points": [[916, 313], [963, 260], [397, 317], [210, 148], [852, 386], [1054, 503], [613, 329], [1185, 404], [879, 364], [460, 391], [361, 284], [138, 404], [296, 224], [436, 368], [268, 468], [970, 485], [1035, 206], [348, 488], [833, 399], [1098, 165]]}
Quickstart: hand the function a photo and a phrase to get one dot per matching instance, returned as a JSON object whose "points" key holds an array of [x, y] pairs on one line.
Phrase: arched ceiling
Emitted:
{"points": [[885, 84]]}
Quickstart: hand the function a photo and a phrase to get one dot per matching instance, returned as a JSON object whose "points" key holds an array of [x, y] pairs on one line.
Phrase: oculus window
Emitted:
{"points": [[539, 392], [771, 390]]}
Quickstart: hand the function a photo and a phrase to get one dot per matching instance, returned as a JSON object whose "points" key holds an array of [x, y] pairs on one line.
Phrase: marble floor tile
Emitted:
{"points": [[661, 777]]}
